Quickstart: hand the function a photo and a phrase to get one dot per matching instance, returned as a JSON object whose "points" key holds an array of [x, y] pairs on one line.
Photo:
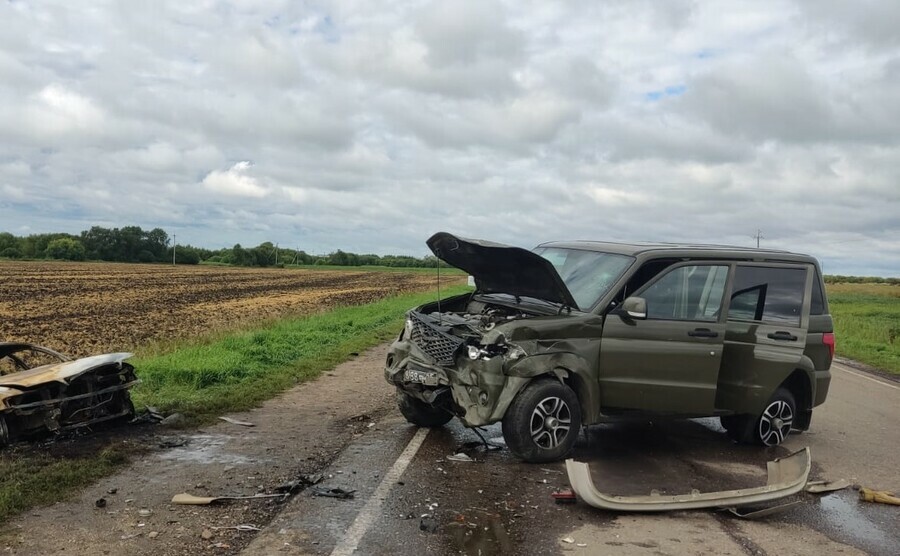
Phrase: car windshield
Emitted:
{"points": [[587, 274]]}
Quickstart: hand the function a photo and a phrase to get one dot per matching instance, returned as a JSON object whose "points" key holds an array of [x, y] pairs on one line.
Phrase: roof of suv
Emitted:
{"points": [[683, 250]]}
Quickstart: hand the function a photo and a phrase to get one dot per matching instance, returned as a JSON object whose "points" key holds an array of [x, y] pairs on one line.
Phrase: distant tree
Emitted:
{"points": [[10, 253], [65, 248]]}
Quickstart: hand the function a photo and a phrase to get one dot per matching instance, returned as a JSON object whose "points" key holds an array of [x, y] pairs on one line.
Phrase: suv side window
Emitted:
{"points": [[687, 293], [768, 294]]}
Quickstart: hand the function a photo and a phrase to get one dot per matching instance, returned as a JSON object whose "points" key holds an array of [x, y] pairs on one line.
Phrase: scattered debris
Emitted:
{"points": [[48, 391], [362, 417], [206, 534], [428, 524], [174, 420], [300, 483], [152, 534], [172, 442], [786, 476], [112, 490], [234, 421], [190, 499], [459, 456], [332, 492], [878, 496], [819, 487], [568, 540], [564, 496], [238, 528], [145, 512], [750, 513], [100, 503]]}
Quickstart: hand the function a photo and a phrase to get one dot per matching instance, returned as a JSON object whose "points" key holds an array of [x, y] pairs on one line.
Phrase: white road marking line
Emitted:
{"points": [[371, 510], [881, 382]]}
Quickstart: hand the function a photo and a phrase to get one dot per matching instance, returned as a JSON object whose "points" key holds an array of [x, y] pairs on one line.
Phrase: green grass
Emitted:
{"points": [[867, 323], [238, 371], [376, 268], [205, 377]]}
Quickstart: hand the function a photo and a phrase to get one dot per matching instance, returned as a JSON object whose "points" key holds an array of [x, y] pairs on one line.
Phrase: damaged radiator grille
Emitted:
{"points": [[438, 345]]}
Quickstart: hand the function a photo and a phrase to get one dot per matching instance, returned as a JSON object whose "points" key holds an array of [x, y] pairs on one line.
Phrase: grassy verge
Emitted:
{"points": [[207, 377], [867, 323], [238, 371], [29, 480]]}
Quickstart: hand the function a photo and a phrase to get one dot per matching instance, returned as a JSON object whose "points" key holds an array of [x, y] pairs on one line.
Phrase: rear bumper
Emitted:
{"points": [[823, 382]]}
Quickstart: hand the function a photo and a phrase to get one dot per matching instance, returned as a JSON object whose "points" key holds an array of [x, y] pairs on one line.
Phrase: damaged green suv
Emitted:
{"points": [[575, 333]]}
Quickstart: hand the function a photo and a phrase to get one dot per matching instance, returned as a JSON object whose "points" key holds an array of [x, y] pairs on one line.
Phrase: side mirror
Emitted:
{"points": [[635, 307]]}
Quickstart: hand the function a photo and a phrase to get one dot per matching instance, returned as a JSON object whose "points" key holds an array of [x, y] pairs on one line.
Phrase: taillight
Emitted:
{"points": [[828, 340]]}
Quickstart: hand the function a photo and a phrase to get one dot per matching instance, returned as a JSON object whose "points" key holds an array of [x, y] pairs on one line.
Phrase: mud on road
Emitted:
{"points": [[88, 308]]}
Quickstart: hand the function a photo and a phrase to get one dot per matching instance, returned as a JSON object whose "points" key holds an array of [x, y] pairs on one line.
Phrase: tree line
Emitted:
{"points": [[132, 244]]}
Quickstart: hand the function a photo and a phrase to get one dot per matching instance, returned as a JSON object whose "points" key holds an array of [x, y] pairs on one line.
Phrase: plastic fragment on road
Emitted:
{"points": [[234, 421], [332, 492], [820, 487], [786, 476], [237, 528], [745, 513], [460, 456], [191, 500], [878, 496], [564, 496]]}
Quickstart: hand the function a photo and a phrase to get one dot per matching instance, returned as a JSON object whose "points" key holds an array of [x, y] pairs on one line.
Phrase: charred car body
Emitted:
{"points": [[571, 334], [63, 394]]}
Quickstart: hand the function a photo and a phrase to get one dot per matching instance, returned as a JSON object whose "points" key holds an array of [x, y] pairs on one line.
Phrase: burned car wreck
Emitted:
{"points": [[576, 333], [62, 394]]}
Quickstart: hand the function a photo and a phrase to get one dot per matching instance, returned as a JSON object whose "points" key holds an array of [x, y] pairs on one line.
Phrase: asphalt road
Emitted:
{"points": [[410, 499]]}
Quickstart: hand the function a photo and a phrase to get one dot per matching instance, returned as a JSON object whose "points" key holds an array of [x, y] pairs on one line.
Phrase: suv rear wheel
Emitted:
{"points": [[772, 426], [543, 422], [420, 413]]}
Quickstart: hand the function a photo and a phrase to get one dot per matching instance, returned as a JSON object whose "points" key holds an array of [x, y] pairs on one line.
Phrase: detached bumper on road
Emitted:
{"points": [[786, 476]]}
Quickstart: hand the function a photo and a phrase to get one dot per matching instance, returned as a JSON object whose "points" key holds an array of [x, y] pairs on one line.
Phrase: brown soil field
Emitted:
{"points": [[88, 308]]}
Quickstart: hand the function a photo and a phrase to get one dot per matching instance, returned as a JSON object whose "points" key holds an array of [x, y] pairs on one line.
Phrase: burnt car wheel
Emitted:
{"points": [[420, 413], [543, 422]]}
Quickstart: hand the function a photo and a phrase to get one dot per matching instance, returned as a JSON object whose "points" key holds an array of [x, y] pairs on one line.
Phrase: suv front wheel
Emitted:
{"points": [[543, 422]]}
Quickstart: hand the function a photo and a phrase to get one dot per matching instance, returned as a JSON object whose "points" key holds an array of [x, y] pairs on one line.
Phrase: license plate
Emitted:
{"points": [[427, 378]]}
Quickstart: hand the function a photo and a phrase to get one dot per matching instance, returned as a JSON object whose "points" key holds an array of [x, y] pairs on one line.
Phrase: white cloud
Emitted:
{"points": [[373, 125], [234, 182]]}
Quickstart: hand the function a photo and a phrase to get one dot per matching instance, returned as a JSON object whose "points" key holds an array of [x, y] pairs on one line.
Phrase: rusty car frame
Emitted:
{"points": [[62, 395]]}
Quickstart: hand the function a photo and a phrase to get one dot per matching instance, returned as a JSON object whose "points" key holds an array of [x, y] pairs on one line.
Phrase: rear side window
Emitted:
{"points": [[817, 303], [768, 294]]}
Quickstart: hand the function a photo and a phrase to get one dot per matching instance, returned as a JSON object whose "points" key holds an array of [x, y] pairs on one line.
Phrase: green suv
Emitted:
{"points": [[574, 333]]}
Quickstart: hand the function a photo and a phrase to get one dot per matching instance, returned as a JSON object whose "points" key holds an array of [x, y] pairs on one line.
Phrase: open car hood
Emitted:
{"points": [[499, 268]]}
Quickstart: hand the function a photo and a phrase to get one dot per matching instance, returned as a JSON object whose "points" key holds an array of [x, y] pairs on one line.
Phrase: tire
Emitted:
{"points": [[543, 422], [772, 426], [774, 423], [420, 413]]}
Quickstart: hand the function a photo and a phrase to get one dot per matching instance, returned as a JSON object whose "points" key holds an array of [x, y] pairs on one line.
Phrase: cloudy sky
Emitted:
{"points": [[368, 126]]}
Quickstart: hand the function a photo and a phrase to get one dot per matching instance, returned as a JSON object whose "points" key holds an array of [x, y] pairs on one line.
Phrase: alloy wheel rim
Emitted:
{"points": [[775, 423], [551, 422]]}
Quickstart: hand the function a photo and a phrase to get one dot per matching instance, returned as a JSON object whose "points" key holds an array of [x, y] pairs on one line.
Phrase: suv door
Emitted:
{"points": [[668, 362], [768, 316]]}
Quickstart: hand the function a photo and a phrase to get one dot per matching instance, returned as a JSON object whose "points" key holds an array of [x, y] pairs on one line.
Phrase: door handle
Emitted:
{"points": [[783, 336], [703, 333]]}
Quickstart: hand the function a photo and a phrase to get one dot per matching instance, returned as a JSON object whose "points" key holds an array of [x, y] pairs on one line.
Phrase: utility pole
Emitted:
{"points": [[174, 243], [276, 254], [758, 237]]}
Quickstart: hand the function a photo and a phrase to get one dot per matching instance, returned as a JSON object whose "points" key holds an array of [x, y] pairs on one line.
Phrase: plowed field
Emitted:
{"points": [[89, 308]]}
